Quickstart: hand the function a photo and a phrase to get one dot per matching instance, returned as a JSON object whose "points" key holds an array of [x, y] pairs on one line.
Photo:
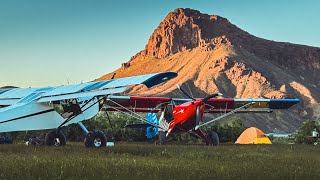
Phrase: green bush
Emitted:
{"points": [[229, 132], [303, 135]]}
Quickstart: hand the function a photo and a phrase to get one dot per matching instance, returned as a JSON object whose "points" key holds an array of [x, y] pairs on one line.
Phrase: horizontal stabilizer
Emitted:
{"points": [[282, 103]]}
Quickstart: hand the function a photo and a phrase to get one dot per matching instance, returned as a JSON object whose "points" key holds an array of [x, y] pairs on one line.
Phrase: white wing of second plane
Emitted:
{"points": [[10, 96], [32, 108]]}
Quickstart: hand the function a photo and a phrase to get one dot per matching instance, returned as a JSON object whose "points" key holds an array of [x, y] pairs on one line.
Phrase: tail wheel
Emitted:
{"points": [[214, 138], [316, 143], [95, 139], [55, 138]]}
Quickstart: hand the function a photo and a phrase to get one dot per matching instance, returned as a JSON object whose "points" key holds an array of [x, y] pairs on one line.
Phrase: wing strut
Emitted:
{"points": [[109, 117], [225, 115], [135, 114]]}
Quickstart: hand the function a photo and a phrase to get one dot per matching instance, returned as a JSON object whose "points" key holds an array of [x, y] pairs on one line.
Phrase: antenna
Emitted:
{"points": [[67, 79]]}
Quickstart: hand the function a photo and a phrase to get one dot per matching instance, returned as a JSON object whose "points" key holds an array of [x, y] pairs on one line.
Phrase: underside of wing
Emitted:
{"points": [[213, 105], [135, 103]]}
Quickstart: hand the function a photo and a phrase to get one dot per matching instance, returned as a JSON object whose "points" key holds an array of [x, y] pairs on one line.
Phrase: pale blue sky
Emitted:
{"points": [[53, 42]]}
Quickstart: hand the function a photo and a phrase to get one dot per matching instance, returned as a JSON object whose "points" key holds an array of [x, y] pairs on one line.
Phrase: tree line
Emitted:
{"points": [[114, 129]]}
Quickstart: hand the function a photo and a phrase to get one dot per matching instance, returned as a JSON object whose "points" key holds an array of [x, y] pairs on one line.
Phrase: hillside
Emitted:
{"points": [[212, 55]]}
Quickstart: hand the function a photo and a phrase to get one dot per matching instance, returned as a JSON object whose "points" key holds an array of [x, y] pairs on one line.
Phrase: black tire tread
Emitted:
{"points": [[51, 135], [89, 139]]}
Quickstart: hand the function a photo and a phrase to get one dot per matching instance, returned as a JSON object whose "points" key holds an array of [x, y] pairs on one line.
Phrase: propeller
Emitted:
{"points": [[204, 100], [185, 93], [198, 116]]}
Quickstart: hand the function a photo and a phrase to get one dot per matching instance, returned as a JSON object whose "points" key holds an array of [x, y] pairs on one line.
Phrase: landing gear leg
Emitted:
{"points": [[162, 137], [211, 139], [83, 127]]}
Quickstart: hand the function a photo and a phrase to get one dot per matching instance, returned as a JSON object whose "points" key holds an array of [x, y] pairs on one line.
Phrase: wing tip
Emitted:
{"points": [[159, 78]]}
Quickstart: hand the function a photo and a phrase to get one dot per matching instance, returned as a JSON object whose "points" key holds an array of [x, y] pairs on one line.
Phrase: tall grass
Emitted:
{"points": [[141, 161]]}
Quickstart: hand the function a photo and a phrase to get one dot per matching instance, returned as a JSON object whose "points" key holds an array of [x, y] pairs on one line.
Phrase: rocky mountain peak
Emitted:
{"points": [[185, 29], [211, 55]]}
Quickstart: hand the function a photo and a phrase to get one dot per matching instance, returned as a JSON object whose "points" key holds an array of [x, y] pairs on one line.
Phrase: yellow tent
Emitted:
{"points": [[253, 135]]}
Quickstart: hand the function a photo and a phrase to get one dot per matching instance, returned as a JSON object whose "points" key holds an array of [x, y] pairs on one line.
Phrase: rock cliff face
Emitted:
{"points": [[212, 55]]}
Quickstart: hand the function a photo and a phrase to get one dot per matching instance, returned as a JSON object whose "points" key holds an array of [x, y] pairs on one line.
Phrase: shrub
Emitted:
{"points": [[229, 132], [303, 135]]}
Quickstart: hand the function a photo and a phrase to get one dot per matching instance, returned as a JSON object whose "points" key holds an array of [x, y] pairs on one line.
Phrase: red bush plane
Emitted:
{"points": [[185, 115], [25, 109]]}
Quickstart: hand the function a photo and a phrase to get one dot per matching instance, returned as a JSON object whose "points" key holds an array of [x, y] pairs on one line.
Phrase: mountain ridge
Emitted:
{"points": [[212, 55]]}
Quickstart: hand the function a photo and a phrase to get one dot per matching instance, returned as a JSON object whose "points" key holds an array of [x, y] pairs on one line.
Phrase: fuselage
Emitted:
{"points": [[185, 116]]}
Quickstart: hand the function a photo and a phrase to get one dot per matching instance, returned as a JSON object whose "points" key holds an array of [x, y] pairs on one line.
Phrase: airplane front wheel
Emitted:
{"points": [[55, 138], [95, 139]]}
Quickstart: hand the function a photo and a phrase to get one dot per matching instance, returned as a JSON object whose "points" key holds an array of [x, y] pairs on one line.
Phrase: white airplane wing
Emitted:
{"points": [[24, 95], [13, 95], [104, 87]]}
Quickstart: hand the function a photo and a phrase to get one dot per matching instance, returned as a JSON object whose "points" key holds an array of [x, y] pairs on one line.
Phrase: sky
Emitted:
{"points": [[56, 42]]}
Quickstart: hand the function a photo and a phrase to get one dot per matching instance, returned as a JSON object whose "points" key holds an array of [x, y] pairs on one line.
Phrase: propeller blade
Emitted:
{"points": [[185, 93], [211, 96], [198, 116]]}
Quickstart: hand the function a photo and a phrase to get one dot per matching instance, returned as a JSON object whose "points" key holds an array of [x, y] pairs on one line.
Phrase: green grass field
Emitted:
{"points": [[149, 161]]}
